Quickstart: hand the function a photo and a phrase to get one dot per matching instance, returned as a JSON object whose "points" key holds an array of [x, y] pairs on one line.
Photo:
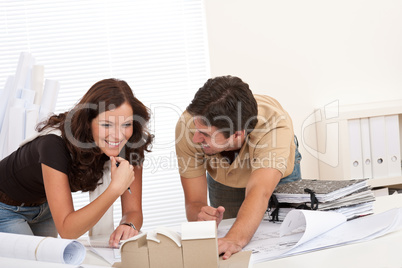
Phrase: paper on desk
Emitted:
{"points": [[267, 244], [299, 226], [100, 246], [308, 224], [358, 230], [273, 240], [41, 248], [111, 255]]}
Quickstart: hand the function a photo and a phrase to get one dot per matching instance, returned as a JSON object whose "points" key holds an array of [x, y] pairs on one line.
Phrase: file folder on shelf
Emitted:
{"points": [[393, 145], [378, 147], [366, 148], [355, 148]]}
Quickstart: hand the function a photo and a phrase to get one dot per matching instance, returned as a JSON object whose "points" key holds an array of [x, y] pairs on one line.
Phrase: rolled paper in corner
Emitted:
{"points": [[31, 119], [16, 127], [49, 98], [37, 80]]}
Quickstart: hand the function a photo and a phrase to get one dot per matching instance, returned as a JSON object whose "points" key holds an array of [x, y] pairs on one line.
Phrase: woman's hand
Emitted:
{"points": [[122, 232], [122, 174]]}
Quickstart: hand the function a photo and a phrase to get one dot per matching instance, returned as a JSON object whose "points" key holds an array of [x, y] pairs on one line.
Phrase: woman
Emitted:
{"points": [[70, 154]]}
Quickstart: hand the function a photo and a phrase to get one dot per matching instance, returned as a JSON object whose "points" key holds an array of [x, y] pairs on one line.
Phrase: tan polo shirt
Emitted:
{"points": [[269, 145]]}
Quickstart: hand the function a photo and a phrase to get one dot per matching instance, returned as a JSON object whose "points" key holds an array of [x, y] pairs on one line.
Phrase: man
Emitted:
{"points": [[237, 146]]}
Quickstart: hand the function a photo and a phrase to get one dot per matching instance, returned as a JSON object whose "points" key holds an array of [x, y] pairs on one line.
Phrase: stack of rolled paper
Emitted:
{"points": [[26, 99]]}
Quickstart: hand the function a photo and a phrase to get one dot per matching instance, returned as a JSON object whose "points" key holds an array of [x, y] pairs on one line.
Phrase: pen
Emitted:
{"points": [[128, 189]]}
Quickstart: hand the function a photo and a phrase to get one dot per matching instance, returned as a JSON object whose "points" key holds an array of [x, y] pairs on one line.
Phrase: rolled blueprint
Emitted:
{"points": [[39, 248], [28, 96], [31, 119], [4, 98], [16, 127], [49, 98], [17, 83], [37, 79]]}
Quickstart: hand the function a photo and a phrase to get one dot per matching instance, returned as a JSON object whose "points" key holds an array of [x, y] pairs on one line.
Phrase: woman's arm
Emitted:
{"points": [[131, 211], [73, 224]]}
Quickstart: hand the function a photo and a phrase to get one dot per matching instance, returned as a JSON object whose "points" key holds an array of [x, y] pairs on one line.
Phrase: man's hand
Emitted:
{"points": [[208, 213], [259, 188], [227, 247]]}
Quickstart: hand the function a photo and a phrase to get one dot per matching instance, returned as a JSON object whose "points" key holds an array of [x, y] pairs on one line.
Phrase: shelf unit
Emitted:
{"points": [[335, 140]]}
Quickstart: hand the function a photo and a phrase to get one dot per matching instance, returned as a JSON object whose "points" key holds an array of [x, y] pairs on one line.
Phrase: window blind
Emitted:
{"points": [[158, 47]]}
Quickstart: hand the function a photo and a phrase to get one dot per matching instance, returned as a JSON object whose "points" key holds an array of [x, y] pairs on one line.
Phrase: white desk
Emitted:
{"points": [[385, 251]]}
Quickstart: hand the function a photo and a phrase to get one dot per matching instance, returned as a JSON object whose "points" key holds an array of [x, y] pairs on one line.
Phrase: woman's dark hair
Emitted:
{"points": [[227, 103], [88, 160]]}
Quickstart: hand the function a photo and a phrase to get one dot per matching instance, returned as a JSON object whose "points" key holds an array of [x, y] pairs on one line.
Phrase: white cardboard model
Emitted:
{"points": [[164, 249], [135, 252], [196, 247], [200, 245]]}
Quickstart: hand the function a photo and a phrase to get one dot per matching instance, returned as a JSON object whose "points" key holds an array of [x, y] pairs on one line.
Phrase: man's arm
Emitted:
{"points": [[195, 195], [259, 189]]}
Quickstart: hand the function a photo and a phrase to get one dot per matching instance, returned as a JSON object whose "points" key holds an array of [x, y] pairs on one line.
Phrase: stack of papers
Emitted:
{"points": [[305, 231], [352, 198]]}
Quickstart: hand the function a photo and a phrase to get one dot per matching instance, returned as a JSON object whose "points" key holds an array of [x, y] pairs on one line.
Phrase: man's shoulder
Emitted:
{"points": [[184, 133], [271, 115], [184, 122], [265, 100], [185, 117], [269, 108]]}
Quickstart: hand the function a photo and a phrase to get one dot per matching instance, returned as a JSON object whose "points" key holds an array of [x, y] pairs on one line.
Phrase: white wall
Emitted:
{"points": [[309, 53]]}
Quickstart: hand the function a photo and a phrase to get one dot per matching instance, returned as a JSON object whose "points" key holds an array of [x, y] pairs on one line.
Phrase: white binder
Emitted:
{"points": [[355, 149], [378, 147], [366, 148], [393, 145]]}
